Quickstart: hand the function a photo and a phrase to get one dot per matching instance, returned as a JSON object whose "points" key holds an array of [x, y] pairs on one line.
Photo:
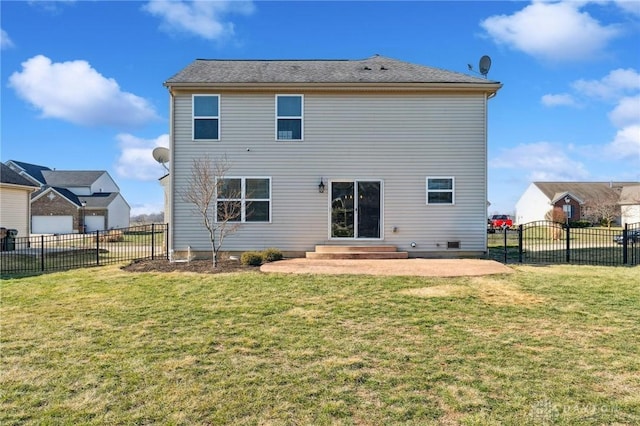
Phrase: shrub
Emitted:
{"points": [[251, 258], [111, 236], [580, 224], [271, 255]]}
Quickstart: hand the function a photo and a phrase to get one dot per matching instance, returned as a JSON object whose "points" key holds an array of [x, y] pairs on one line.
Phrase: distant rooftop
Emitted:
{"points": [[9, 176]]}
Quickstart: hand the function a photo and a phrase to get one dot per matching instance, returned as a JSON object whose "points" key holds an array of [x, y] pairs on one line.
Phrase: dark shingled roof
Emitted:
{"points": [[62, 178], [11, 177], [376, 69], [33, 170]]}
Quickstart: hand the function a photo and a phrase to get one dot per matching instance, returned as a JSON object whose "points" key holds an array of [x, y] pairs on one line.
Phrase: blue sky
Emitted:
{"points": [[82, 80]]}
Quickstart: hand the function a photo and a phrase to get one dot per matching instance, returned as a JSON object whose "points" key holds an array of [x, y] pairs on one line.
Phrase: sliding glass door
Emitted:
{"points": [[356, 208]]}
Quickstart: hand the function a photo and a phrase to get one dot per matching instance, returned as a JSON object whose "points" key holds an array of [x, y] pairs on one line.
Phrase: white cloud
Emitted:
{"points": [[5, 40], [552, 31], [562, 99], [631, 6], [626, 144], [136, 161], [614, 85], [627, 112], [204, 19], [541, 161], [75, 92]]}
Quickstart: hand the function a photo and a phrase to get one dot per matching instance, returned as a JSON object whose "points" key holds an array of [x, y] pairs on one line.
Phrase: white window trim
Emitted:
{"points": [[194, 117], [452, 190], [243, 199], [301, 117]]}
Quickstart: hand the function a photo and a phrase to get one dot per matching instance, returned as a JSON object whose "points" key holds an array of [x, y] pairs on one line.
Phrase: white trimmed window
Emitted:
{"points": [[289, 117], [206, 117], [440, 190], [244, 199]]}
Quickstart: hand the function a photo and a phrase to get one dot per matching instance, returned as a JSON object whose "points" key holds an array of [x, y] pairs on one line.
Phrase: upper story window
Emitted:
{"points": [[206, 117], [244, 200], [440, 190], [289, 125]]}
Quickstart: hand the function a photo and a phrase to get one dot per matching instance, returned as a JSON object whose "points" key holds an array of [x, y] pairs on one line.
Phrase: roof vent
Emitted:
{"points": [[383, 68], [367, 68]]}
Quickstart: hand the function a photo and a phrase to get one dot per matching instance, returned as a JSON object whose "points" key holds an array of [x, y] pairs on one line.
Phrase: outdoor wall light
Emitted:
{"points": [[321, 186]]}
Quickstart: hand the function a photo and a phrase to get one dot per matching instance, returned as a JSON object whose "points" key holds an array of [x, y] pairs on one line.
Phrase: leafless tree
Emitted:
{"points": [[215, 201], [556, 215], [604, 208]]}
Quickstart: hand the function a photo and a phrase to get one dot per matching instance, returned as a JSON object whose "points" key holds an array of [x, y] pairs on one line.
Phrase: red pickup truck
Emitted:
{"points": [[501, 220]]}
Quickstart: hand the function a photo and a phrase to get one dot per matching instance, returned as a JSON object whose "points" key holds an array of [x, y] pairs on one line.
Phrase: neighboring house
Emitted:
{"points": [[73, 201], [574, 198], [15, 193], [339, 152], [630, 204]]}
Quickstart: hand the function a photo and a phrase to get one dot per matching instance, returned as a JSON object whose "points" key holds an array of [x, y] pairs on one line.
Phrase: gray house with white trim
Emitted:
{"points": [[71, 201], [335, 152]]}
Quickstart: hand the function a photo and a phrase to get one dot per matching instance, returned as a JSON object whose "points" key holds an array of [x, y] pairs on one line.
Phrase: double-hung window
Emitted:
{"points": [[244, 200], [289, 117], [440, 190], [206, 117]]}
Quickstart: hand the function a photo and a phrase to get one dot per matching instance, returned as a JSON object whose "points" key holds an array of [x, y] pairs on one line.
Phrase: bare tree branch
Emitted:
{"points": [[217, 203], [603, 208]]}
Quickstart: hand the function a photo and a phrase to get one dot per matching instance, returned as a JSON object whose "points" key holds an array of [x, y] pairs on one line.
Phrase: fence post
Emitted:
{"points": [[625, 244], [568, 255], [97, 248], [504, 231], [153, 241], [166, 241], [42, 253], [520, 243]]}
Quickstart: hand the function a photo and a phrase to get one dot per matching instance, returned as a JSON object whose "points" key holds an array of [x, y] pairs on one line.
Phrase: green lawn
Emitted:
{"points": [[545, 345]]}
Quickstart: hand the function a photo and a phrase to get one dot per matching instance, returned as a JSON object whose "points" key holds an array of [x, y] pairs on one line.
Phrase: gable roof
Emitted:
{"points": [[64, 193], [376, 69], [63, 178], [9, 176], [630, 195], [33, 170], [99, 200], [582, 190]]}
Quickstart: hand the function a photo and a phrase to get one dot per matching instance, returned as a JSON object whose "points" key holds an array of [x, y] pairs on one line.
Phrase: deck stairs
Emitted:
{"points": [[356, 252]]}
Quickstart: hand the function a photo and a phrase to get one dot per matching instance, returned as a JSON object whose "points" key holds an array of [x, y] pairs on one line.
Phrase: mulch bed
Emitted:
{"points": [[199, 266]]}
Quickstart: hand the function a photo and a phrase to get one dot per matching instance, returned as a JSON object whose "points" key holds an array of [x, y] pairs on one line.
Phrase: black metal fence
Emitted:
{"points": [[42, 253], [552, 242]]}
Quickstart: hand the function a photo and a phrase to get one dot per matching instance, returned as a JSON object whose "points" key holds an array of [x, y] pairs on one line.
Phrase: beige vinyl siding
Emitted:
{"points": [[398, 139], [14, 210]]}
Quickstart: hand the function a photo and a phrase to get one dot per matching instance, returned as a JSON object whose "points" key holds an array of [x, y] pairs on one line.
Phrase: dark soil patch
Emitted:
{"points": [[199, 266]]}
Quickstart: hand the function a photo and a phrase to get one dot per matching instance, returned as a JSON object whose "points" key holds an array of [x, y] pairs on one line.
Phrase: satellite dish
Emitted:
{"points": [[485, 64], [161, 155]]}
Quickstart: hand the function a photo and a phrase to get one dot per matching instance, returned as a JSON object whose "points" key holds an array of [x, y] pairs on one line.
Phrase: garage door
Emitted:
{"points": [[52, 224], [94, 223]]}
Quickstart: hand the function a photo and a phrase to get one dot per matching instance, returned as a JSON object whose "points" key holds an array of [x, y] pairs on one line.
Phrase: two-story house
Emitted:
{"points": [[70, 201], [334, 152]]}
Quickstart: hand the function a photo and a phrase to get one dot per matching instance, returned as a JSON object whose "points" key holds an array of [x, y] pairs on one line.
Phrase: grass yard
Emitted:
{"points": [[546, 345]]}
